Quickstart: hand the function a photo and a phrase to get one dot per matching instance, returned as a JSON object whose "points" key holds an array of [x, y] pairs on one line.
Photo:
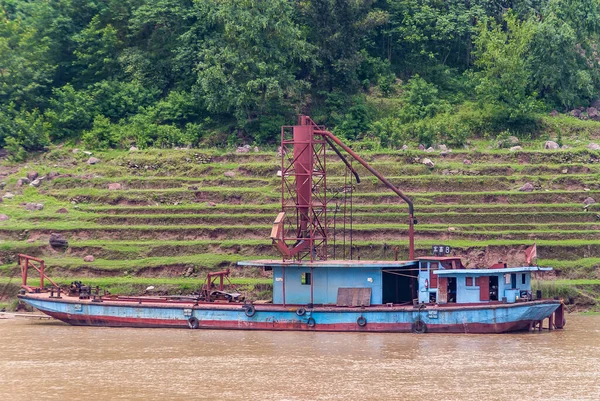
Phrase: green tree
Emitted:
{"points": [[249, 63], [102, 135], [70, 113], [426, 34], [560, 73], [97, 51], [565, 58], [504, 79], [165, 36], [420, 101], [340, 30], [25, 70], [22, 131]]}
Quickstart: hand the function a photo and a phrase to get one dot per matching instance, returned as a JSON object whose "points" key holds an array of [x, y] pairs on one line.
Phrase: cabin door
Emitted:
{"points": [[451, 289], [484, 288], [433, 278], [493, 288]]}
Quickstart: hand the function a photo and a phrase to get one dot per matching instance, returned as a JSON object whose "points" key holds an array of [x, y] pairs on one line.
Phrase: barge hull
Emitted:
{"points": [[499, 318], [473, 328]]}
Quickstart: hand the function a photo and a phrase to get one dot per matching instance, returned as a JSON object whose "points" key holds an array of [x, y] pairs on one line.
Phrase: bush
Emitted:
{"points": [[23, 131], [425, 132], [117, 100], [457, 133], [71, 112], [142, 130], [103, 134], [389, 133], [421, 100], [356, 121], [266, 128]]}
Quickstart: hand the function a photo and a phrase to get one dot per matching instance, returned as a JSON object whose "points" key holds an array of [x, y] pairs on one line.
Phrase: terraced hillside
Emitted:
{"points": [[171, 215]]}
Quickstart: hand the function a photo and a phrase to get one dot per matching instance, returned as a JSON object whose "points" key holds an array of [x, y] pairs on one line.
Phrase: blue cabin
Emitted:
{"points": [[441, 280], [445, 280], [342, 282]]}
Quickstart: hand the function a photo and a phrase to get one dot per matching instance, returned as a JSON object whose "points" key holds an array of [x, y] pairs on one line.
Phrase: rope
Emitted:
{"points": [[400, 274]]}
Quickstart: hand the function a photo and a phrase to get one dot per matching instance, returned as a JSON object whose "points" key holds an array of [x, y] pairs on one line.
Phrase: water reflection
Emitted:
{"points": [[61, 361]]}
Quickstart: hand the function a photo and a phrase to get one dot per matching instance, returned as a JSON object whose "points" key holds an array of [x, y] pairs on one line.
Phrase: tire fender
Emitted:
{"points": [[193, 322], [250, 310], [419, 327]]}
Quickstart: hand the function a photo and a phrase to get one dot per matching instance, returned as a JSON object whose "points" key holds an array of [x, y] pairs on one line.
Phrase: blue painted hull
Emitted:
{"points": [[481, 318]]}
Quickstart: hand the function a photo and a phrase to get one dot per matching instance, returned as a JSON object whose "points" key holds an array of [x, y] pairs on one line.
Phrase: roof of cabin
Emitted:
{"points": [[329, 263], [486, 272], [439, 258]]}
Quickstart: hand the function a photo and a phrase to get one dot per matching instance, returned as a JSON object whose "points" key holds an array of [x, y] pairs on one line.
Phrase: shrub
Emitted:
{"points": [[266, 128], [103, 134], [388, 131], [356, 121], [23, 131], [421, 101], [117, 100], [71, 112]]}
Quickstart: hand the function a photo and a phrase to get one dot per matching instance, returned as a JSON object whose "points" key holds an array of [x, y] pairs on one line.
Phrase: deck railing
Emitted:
{"points": [[25, 262]]}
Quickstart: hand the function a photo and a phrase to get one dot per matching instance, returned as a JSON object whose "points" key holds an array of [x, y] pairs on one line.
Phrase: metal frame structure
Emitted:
{"points": [[211, 277], [304, 191], [300, 231], [25, 262]]}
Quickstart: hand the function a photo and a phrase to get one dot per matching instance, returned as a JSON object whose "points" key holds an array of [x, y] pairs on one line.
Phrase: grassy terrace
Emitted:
{"points": [[177, 215]]}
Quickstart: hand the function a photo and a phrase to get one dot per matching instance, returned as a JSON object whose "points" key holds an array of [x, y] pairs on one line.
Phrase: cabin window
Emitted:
{"points": [[469, 281], [423, 266], [305, 278], [523, 279]]}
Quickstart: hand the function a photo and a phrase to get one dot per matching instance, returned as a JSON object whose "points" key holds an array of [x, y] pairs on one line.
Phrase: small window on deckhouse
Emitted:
{"points": [[305, 279]]}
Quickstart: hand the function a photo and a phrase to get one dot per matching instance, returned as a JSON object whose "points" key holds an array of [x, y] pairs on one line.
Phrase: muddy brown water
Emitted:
{"points": [[48, 360]]}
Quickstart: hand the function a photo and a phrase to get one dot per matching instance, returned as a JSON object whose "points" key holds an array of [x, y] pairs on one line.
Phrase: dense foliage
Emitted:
{"points": [[112, 73]]}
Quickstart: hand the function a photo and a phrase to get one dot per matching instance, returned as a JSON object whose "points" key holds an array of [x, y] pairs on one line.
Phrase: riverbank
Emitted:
{"points": [[176, 214]]}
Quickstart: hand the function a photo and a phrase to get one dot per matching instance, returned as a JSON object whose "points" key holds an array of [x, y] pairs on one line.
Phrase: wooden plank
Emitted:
{"points": [[8, 315], [354, 297]]}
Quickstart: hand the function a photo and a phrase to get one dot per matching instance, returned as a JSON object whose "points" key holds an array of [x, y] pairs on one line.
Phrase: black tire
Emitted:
{"points": [[419, 327], [300, 311], [361, 321], [193, 322], [311, 322], [250, 310]]}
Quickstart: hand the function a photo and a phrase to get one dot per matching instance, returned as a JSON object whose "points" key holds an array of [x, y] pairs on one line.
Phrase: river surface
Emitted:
{"points": [[49, 360]]}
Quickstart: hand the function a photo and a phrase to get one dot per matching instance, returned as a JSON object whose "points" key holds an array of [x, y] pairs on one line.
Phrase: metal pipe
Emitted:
{"points": [[386, 182], [283, 284], [341, 156], [312, 280]]}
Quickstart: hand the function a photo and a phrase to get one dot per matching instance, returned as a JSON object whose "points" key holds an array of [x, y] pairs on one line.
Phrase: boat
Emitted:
{"points": [[314, 291]]}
